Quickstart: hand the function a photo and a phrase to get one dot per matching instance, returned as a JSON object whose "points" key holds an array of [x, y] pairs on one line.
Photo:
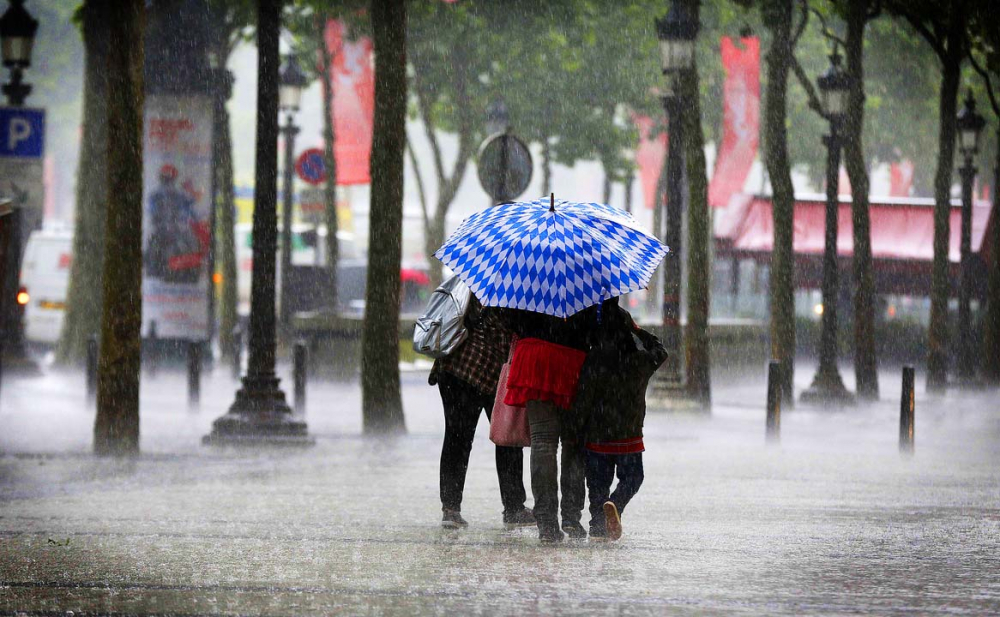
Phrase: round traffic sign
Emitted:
{"points": [[310, 166], [505, 167]]}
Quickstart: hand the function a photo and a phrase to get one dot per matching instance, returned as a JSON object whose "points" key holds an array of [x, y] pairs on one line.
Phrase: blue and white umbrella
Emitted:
{"points": [[551, 256]]}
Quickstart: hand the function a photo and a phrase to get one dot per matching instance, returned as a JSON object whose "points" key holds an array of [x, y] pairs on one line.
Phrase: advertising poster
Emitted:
{"points": [[177, 180]]}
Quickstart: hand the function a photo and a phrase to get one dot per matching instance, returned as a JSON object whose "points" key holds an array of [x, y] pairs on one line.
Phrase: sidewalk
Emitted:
{"points": [[833, 520]]}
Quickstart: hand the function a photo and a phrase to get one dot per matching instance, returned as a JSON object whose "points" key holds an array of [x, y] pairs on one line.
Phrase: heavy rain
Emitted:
{"points": [[499, 307]]}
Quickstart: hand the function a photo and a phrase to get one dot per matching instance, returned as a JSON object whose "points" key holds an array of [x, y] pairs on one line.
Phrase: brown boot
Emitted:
{"points": [[613, 521]]}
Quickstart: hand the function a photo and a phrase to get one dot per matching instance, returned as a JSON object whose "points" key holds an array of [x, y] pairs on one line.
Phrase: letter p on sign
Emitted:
{"points": [[22, 132]]}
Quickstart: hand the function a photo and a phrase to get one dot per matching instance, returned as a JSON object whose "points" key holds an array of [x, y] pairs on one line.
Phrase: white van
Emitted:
{"points": [[45, 276]]}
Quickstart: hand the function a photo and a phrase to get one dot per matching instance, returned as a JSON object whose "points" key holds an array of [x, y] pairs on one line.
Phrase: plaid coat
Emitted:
{"points": [[481, 356]]}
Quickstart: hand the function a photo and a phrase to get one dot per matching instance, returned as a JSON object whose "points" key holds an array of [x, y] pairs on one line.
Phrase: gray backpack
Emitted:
{"points": [[441, 329]]}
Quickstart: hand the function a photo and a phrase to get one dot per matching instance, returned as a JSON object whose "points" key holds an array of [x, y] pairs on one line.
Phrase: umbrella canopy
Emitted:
{"points": [[551, 256]]}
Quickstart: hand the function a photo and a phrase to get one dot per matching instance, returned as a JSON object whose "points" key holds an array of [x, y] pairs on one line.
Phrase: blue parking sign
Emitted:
{"points": [[22, 132]]}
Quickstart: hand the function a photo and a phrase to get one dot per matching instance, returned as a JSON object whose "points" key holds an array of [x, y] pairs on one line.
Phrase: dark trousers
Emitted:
{"points": [[546, 432], [601, 470], [462, 405]]}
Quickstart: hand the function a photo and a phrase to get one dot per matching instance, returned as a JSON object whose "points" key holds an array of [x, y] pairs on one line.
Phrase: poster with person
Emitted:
{"points": [[177, 177]]}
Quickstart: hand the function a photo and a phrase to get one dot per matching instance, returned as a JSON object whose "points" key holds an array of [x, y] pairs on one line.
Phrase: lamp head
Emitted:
{"points": [[17, 35]]}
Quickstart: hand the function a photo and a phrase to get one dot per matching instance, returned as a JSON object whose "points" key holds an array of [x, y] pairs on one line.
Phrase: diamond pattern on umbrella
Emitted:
{"points": [[553, 257]]}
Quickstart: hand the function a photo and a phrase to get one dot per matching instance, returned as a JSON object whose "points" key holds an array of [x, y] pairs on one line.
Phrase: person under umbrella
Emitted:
{"points": [[547, 262]]}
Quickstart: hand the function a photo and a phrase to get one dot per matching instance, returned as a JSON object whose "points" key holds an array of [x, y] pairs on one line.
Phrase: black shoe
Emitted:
{"points": [[519, 518], [452, 519], [598, 533], [574, 530], [550, 535]]}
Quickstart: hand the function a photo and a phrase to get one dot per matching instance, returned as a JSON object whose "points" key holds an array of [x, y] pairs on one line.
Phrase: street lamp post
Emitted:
{"points": [[827, 386], [292, 81], [260, 414], [17, 37], [676, 33], [970, 125]]}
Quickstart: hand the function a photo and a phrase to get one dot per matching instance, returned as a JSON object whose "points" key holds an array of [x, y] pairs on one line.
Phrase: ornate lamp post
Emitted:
{"points": [[676, 33], [970, 125], [260, 414], [292, 82], [827, 387], [17, 33], [17, 37]]}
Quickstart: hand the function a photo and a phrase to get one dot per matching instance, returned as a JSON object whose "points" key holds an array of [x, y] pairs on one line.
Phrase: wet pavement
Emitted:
{"points": [[832, 520]]}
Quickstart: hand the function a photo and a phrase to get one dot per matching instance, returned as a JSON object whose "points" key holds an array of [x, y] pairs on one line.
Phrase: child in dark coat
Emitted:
{"points": [[611, 404]]}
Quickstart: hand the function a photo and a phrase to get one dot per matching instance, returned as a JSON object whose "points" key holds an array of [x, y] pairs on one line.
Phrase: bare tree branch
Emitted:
{"points": [[802, 24], [875, 12], [800, 74], [986, 79], [420, 182], [934, 39], [427, 117], [826, 32]]}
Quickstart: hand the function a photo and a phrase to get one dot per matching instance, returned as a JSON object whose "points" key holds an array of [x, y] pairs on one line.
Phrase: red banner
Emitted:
{"points": [[649, 155], [740, 119], [353, 79]]}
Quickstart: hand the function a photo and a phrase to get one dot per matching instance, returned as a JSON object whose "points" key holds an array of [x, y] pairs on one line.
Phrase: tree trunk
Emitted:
{"points": [[938, 331], [991, 364], [865, 360], [382, 405], [433, 239], [226, 238], [116, 428], [778, 16], [696, 341], [83, 299], [330, 161]]}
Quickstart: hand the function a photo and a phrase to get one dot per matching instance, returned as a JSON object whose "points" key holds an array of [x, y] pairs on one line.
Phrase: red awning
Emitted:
{"points": [[901, 228]]}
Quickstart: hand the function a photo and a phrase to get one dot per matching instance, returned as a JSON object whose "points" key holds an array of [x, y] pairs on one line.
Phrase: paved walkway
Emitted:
{"points": [[833, 520]]}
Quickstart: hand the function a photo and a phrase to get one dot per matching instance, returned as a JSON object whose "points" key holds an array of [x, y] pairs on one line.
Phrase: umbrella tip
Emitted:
{"points": [[552, 202]]}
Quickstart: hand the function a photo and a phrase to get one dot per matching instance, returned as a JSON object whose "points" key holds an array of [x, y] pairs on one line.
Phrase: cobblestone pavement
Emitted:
{"points": [[832, 520]]}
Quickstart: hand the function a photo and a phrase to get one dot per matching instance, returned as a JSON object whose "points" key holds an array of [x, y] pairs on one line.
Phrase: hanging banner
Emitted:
{"points": [[649, 156], [177, 180], [900, 178], [352, 75], [740, 119]]}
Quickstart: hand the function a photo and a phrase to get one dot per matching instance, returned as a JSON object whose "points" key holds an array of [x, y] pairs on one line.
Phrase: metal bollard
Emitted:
{"points": [[237, 352], [299, 368], [774, 387], [154, 351], [194, 373], [907, 412], [92, 369]]}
